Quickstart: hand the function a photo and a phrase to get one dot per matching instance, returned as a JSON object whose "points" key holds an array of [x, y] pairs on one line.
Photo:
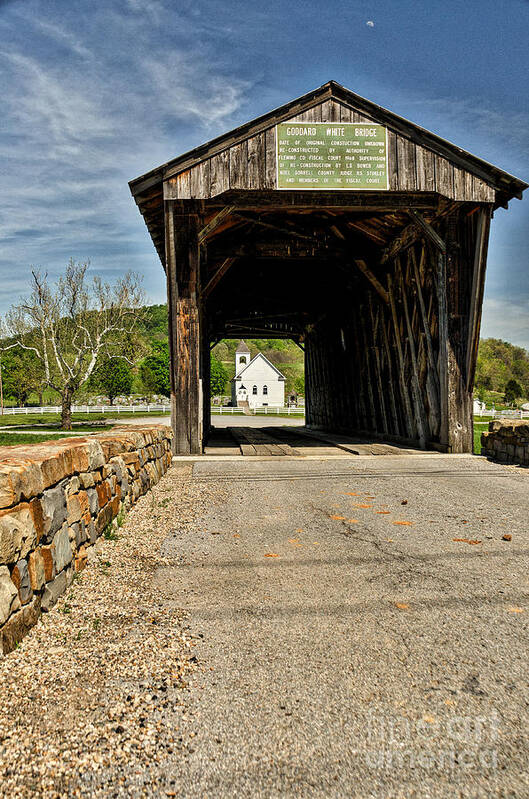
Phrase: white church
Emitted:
{"points": [[257, 381]]}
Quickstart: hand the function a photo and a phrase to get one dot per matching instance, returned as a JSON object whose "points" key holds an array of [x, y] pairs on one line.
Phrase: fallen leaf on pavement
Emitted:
{"points": [[467, 540], [299, 531], [404, 502], [361, 505], [389, 540], [338, 518], [404, 524], [236, 535], [516, 610], [352, 521], [316, 543], [383, 512], [271, 555], [351, 494], [506, 537], [402, 605]]}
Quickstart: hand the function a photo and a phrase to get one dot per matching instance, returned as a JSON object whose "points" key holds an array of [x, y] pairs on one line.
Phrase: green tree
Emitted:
{"points": [[70, 325], [218, 377], [299, 386], [154, 371], [513, 390], [114, 377], [22, 374]]}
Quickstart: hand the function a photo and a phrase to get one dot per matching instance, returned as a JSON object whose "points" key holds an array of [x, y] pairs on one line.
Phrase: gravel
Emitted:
{"points": [[88, 694]]}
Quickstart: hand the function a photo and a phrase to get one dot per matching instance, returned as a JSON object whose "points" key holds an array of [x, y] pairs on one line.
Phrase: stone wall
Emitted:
{"points": [[56, 499], [507, 441]]}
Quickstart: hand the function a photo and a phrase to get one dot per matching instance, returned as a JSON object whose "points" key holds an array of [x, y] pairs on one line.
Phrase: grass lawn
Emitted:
{"points": [[12, 439], [479, 428], [49, 421]]}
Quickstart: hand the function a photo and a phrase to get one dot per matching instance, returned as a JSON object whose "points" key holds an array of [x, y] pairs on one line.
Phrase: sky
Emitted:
{"points": [[96, 93]]}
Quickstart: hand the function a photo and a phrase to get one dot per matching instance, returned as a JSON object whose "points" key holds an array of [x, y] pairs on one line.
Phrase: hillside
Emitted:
{"points": [[498, 363]]}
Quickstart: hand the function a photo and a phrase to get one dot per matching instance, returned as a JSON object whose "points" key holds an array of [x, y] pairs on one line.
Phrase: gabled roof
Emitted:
{"points": [[254, 359], [503, 182]]}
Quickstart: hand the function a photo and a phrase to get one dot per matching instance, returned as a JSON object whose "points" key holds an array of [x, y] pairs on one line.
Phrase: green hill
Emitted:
{"points": [[498, 362]]}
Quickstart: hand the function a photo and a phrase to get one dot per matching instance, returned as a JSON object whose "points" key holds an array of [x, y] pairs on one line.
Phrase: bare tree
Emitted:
{"points": [[70, 324]]}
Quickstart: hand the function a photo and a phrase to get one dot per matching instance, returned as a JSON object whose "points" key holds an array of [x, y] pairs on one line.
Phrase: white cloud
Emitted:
{"points": [[370, 23], [79, 122], [507, 320]]}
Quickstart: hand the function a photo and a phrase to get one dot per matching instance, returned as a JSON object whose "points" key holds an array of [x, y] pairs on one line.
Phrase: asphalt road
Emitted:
{"points": [[348, 645]]}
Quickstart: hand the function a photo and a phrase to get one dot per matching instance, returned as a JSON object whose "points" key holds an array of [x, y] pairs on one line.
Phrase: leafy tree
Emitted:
{"points": [[114, 377], [70, 325], [219, 376], [154, 371], [513, 390], [299, 386], [21, 374]]}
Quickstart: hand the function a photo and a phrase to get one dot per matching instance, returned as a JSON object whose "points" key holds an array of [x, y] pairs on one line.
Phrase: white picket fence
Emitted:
{"points": [[139, 409], [220, 410], [93, 409], [514, 414]]}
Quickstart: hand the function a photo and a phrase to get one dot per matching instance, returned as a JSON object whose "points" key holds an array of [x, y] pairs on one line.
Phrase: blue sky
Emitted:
{"points": [[94, 94]]}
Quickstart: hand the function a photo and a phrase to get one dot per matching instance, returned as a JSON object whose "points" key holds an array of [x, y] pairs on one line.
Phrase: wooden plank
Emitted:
{"points": [[476, 296], [239, 166], [409, 419], [256, 162], [217, 276], [379, 288], [432, 234], [185, 327], [214, 223], [183, 185], [393, 162], [398, 431], [425, 162], [420, 413], [270, 159], [444, 176], [406, 164], [220, 173], [377, 366]]}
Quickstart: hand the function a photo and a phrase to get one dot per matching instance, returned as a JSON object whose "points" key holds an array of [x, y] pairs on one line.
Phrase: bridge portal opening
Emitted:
{"points": [[337, 224]]}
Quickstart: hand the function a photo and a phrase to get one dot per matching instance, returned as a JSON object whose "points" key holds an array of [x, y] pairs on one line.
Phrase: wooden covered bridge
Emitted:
{"points": [[342, 226]]}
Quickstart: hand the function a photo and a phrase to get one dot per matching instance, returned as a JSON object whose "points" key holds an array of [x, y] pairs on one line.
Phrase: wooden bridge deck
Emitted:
{"points": [[295, 441]]}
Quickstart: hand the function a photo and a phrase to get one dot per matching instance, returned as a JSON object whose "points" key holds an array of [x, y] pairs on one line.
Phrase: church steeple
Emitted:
{"points": [[242, 357]]}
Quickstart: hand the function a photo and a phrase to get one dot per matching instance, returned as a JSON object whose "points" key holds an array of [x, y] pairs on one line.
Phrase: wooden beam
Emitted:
{"points": [[432, 234], [218, 275], [379, 288], [214, 223], [476, 297]]}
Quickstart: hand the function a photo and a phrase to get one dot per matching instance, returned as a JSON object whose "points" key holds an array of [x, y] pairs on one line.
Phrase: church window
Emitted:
{"points": [[265, 389], [254, 390]]}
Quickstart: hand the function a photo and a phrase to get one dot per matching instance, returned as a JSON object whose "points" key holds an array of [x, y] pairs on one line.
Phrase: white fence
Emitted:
{"points": [[514, 414], [139, 409], [93, 409], [220, 410]]}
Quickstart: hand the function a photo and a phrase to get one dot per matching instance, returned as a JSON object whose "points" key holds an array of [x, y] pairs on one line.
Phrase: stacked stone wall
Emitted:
{"points": [[507, 441], [56, 500]]}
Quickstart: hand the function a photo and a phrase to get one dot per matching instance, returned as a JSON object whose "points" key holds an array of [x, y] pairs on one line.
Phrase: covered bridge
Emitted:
{"points": [[342, 226]]}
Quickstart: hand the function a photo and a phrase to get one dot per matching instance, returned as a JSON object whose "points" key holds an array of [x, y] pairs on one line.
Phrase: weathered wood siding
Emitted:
{"points": [[251, 164]]}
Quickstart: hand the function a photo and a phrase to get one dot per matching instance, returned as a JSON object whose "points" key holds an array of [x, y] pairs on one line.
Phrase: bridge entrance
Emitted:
{"points": [[335, 223]]}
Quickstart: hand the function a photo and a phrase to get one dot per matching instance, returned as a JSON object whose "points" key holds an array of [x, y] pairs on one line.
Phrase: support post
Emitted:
{"points": [[182, 267], [456, 396]]}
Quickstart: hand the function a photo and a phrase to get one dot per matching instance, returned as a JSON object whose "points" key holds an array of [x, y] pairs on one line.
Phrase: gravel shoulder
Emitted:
{"points": [[92, 700]]}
